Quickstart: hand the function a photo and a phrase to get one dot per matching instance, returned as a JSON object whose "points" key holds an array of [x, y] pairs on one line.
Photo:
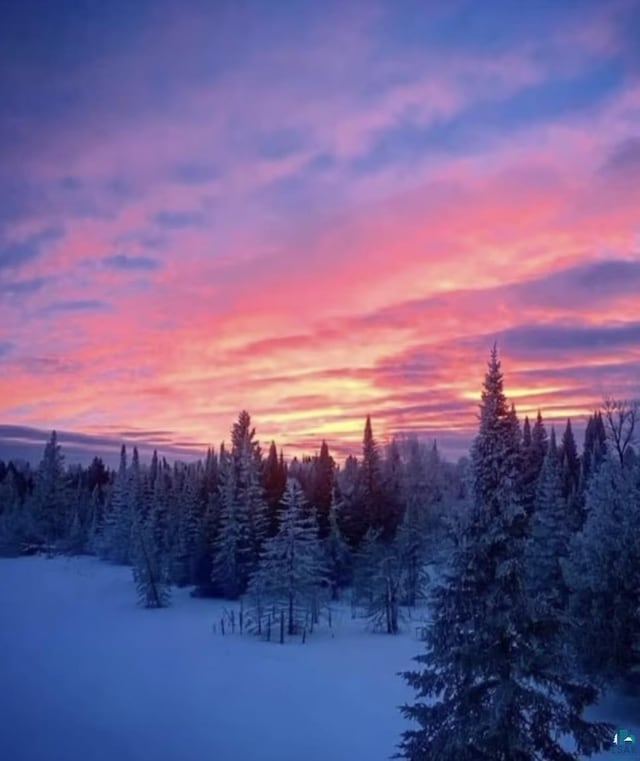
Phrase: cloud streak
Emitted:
{"points": [[336, 215], [131, 263]]}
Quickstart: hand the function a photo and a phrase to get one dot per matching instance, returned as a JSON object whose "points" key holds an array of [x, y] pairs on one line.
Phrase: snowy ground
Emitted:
{"points": [[85, 674]]}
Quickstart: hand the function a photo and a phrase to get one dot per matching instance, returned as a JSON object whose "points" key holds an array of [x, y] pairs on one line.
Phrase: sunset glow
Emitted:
{"points": [[315, 212]]}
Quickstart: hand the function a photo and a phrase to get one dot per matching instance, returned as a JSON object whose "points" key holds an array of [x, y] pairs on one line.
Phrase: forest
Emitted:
{"points": [[525, 553]]}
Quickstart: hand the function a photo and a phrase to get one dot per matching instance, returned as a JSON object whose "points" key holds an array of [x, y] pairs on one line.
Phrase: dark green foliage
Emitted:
{"points": [[570, 465], [492, 685], [50, 499], [595, 448], [337, 552], [322, 482], [604, 574], [274, 479]]}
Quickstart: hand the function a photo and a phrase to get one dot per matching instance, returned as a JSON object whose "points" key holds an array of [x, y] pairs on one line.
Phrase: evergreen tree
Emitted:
{"points": [[539, 443], [421, 491], [379, 581], [322, 479], [150, 553], [393, 481], [135, 485], [526, 434], [594, 449], [371, 493], [550, 535], [17, 527], [604, 574], [292, 573], [232, 552], [490, 688], [534, 447], [337, 551], [207, 542], [154, 468], [570, 464], [50, 496], [249, 495], [352, 519], [185, 539], [274, 480], [119, 519]]}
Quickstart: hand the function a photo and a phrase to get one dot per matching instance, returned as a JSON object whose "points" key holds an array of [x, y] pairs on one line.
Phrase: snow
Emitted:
{"points": [[85, 674]]}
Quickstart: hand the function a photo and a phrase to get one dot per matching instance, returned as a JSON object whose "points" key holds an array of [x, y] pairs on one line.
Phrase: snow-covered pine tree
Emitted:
{"points": [[232, 549], [421, 493], [96, 527], [337, 551], [17, 528], [185, 543], [539, 443], [534, 447], [393, 478], [50, 499], [365, 560], [247, 462], [352, 519], [490, 687], [570, 465], [292, 574], [594, 450], [379, 581], [207, 541], [548, 545], [370, 483], [604, 574], [274, 479], [322, 482], [135, 489], [118, 517], [150, 551]]}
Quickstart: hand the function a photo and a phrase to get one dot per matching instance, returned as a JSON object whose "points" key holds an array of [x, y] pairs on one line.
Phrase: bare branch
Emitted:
{"points": [[621, 418]]}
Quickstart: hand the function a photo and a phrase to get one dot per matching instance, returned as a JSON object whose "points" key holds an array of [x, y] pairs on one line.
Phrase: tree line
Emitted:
{"points": [[526, 555]]}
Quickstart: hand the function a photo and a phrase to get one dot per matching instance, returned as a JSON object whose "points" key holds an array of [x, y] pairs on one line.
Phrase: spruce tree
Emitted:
{"points": [[185, 538], [150, 554], [232, 549], [247, 462], [534, 447], [322, 480], [352, 518], [50, 502], [595, 448], [570, 464], [489, 687], [380, 581], [371, 494], [274, 480], [119, 518], [393, 479], [550, 535], [416, 530], [292, 572], [17, 526], [604, 574], [337, 551]]}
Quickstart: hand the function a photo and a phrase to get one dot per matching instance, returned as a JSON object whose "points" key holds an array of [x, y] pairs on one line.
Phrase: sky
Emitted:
{"points": [[314, 211]]}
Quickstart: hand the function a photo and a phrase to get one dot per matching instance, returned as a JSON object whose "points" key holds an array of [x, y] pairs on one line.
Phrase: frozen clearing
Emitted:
{"points": [[86, 675]]}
